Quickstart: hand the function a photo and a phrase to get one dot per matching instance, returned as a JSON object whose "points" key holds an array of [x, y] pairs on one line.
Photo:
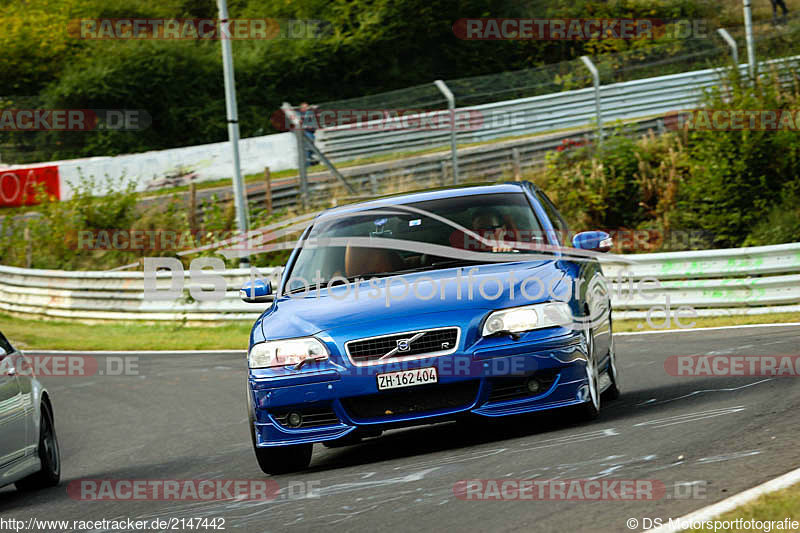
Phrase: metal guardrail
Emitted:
{"points": [[102, 295], [568, 109], [714, 282], [627, 101], [752, 280], [492, 162]]}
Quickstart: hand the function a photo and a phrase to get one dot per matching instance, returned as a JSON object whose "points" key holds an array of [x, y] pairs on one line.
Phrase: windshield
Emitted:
{"points": [[407, 238]]}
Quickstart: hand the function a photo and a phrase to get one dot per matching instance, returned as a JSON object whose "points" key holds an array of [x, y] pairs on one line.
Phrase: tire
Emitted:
{"points": [[590, 409], [280, 459], [49, 455], [615, 389], [284, 459]]}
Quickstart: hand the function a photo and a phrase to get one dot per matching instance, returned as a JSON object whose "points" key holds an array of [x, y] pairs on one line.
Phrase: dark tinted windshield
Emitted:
{"points": [[365, 242]]}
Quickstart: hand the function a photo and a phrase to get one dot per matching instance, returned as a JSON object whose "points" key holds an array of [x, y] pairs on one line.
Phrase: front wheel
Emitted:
{"points": [[590, 409], [49, 455], [284, 459]]}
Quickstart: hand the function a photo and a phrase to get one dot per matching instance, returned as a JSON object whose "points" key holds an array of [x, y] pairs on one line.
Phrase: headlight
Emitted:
{"points": [[286, 352], [518, 319]]}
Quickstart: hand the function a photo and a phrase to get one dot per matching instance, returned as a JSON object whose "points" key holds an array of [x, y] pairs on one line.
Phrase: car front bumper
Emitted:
{"points": [[335, 400]]}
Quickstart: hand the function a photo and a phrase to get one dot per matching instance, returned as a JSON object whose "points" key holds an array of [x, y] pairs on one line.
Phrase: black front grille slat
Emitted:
{"points": [[421, 399], [432, 341]]}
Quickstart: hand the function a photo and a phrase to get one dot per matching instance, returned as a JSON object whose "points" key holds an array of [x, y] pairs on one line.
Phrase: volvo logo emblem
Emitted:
{"points": [[403, 345]]}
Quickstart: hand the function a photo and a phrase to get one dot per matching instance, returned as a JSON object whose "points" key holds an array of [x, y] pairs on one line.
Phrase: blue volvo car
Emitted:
{"points": [[424, 308]]}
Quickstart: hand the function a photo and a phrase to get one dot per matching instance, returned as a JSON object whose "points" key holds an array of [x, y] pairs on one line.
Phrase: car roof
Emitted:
{"points": [[407, 198]]}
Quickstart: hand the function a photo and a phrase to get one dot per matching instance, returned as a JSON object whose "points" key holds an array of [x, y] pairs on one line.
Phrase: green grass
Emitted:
{"points": [[709, 322], [776, 506], [32, 334]]}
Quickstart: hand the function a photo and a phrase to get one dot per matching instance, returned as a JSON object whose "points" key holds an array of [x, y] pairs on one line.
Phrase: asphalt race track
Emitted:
{"points": [[184, 417]]}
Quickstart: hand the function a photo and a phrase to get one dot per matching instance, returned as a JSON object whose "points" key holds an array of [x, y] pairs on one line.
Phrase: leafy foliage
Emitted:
{"points": [[368, 46]]}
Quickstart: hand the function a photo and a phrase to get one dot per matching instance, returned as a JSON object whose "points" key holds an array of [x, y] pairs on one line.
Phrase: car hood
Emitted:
{"points": [[374, 306]]}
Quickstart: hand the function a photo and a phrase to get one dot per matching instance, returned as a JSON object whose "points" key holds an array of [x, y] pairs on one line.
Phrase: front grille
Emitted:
{"points": [[313, 416], [425, 342], [511, 388], [421, 399]]}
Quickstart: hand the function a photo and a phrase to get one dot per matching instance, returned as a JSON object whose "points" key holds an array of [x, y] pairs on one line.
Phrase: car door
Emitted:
{"points": [[13, 423]]}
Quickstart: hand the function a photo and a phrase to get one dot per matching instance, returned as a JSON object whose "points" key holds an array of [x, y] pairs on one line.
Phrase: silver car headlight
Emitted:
{"points": [[286, 352], [527, 318]]}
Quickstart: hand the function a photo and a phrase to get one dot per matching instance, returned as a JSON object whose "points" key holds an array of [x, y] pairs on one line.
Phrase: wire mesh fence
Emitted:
{"points": [[648, 59]]}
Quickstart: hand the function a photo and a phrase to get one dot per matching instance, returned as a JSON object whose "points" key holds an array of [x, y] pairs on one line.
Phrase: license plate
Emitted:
{"points": [[407, 378]]}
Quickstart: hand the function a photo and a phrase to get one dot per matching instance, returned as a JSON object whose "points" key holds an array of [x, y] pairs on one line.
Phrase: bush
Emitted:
{"points": [[737, 176], [625, 183], [735, 187]]}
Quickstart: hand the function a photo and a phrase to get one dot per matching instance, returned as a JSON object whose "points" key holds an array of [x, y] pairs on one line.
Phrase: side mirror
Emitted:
{"points": [[256, 292], [596, 241]]}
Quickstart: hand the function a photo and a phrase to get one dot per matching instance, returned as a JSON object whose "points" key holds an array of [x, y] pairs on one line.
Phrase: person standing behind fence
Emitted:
{"points": [[775, 5], [308, 122]]}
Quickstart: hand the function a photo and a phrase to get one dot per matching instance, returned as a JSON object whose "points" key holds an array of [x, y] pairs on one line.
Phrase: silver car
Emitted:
{"points": [[29, 455]]}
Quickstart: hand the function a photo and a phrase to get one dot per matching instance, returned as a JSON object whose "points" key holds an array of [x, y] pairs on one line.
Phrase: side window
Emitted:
{"points": [[555, 217], [5, 346]]}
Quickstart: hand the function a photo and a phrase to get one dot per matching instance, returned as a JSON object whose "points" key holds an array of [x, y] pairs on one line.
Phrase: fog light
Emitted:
{"points": [[533, 386], [295, 420]]}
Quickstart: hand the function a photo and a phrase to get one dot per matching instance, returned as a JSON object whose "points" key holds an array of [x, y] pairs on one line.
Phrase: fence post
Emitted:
{"points": [[26, 234], [748, 29], [728, 39], [239, 192], [299, 135], [451, 105], [596, 77], [192, 207], [267, 190], [373, 183], [515, 162], [301, 166]]}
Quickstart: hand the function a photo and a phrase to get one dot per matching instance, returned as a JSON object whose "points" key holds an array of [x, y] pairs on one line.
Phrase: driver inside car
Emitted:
{"points": [[492, 227]]}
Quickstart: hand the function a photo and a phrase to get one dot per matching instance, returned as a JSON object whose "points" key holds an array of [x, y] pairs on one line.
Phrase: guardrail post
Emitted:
{"points": [[596, 77], [728, 39], [451, 105]]}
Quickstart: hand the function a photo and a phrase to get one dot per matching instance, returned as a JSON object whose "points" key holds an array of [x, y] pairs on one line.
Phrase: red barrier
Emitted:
{"points": [[19, 186]]}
